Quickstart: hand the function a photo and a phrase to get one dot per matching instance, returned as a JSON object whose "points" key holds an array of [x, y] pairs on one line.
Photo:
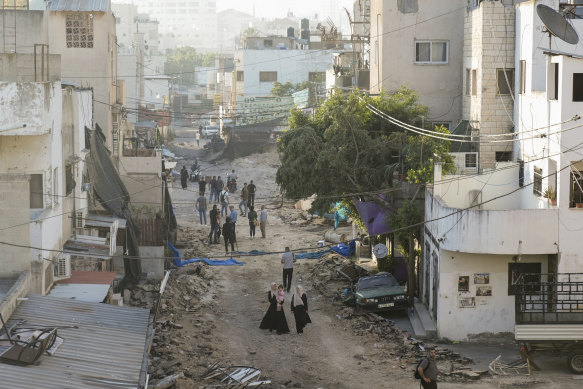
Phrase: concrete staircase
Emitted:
{"points": [[422, 323]]}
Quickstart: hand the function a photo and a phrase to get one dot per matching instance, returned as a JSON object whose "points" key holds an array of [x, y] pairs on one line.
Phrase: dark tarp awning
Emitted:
{"points": [[374, 216], [113, 196]]}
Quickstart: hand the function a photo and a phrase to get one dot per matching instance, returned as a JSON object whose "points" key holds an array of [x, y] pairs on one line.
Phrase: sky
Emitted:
{"points": [[279, 8]]}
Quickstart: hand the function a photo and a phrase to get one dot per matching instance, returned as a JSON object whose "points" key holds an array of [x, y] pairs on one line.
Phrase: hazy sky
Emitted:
{"points": [[278, 8]]}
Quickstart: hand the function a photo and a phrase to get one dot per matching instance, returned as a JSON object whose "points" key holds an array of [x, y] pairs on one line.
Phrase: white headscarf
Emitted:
{"points": [[298, 296], [271, 290]]}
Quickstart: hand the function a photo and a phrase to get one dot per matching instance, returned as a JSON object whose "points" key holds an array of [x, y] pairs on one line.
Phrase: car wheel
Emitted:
{"points": [[575, 361]]}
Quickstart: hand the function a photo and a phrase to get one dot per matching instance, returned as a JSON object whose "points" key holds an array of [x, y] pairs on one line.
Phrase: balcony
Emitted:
{"points": [[502, 231]]}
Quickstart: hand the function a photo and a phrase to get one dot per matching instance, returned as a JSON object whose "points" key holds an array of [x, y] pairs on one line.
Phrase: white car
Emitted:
{"points": [[209, 131]]}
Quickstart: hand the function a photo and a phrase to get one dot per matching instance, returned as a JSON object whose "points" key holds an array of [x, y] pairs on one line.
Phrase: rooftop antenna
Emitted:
{"points": [[556, 24]]}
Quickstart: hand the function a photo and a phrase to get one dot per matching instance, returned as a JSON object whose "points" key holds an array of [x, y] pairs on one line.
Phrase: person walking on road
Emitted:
{"points": [[428, 371], [224, 200], [219, 186], [201, 207], [252, 216], [201, 185], [288, 259], [252, 189], [269, 320], [213, 188], [215, 226], [198, 139], [280, 321], [299, 307], [229, 235], [244, 199], [262, 220], [184, 177]]}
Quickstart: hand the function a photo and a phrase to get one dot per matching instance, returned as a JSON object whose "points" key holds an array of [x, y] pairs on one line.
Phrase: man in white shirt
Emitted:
{"points": [[288, 259], [263, 220], [224, 200]]}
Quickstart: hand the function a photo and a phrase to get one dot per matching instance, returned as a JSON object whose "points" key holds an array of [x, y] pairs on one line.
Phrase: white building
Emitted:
{"points": [[184, 23], [473, 256], [256, 70], [42, 159]]}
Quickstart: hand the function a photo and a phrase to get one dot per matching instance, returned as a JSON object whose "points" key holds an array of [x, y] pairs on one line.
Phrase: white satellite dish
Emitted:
{"points": [[380, 250]]}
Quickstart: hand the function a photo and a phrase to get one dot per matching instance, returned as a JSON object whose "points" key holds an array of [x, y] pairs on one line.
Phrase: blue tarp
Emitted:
{"points": [[178, 261], [252, 252], [342, 249]]}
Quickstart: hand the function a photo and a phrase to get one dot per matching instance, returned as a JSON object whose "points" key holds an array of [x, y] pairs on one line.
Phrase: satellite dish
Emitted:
{"points": [[556, 24], [380, 250]]}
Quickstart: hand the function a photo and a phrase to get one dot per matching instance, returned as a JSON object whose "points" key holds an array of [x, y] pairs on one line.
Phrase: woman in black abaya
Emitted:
{"points": [[299, 306], [268, 322]]}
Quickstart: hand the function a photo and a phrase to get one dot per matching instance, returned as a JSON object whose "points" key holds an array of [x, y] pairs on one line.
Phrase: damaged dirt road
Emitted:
{"points": [[211, 315]]}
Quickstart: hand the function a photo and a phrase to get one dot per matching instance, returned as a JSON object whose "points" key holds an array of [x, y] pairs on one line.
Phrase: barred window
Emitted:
{"points": [[79, 28]]}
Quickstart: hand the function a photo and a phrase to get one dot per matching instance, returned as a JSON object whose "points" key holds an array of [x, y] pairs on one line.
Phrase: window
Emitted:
{"points": [[79, 31], [468, 82], [36, 191], [522, 77], [240, 75], [69, 179], [431, 52], [474, 82], [577, 86], [439, 124], [527, 274], [268, 43], [537, 183], [503, 156], [317, 76], [56, 187], [505, 81], [520, 173], [576, 186], [117, 20], [553, 82], [471, 160], [267, 76]]}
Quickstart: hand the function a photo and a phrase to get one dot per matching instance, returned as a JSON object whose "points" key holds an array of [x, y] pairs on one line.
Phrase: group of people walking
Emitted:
{"points": [[274, 319]]}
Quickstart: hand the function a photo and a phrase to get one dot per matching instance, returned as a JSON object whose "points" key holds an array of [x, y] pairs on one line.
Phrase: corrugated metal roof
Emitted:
{"points": [[106, 351], [79, 5], [95, 293]]}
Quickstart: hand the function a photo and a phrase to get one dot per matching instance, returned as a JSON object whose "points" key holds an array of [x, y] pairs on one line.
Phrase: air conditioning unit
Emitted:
{"points": [[79, 221], [62, 265], [86, 187]]}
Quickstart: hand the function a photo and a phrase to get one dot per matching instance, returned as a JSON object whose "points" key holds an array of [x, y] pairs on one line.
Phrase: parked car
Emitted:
{"points": [[379, 292], [208, 131]]}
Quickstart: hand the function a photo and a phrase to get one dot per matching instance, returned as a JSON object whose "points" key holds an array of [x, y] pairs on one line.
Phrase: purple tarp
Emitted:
{"points": [[374, 216]]}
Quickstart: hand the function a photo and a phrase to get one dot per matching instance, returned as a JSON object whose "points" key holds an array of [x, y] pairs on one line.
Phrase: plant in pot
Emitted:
{"points": [[551, 195]]}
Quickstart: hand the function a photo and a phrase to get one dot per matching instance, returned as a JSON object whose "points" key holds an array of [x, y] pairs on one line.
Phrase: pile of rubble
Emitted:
{"points": [[295, 217], [332, 274], [190, 289]]}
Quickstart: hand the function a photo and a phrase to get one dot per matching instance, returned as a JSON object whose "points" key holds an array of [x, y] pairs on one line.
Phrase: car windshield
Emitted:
{"points": [[377, 282]]}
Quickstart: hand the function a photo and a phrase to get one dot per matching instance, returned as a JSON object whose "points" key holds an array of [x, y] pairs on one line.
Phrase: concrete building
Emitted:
{"points": [[184, 23], [520, 217], [257, 69], [488, 74], [419, 44], [42, 154]]}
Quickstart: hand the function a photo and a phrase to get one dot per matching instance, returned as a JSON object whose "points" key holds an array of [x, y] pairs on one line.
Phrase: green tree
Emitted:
{"points": [[345, 151], [280, 89], [183, 62]]}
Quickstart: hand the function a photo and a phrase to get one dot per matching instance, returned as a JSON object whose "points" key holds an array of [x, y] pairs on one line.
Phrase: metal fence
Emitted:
{"points": [[552, 298]]}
